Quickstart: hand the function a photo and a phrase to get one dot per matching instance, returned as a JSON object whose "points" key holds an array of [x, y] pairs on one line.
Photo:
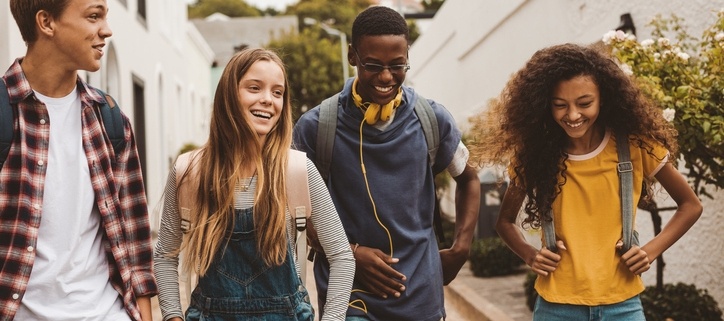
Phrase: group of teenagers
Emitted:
{"points": [[75, 237]]}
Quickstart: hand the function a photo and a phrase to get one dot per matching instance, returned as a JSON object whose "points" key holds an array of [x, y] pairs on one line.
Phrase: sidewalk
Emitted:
{"points": [[499, 298]]}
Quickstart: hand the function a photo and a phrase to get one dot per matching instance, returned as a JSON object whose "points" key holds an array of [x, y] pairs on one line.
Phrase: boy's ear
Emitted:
{"points": [[45, 23], [350, 56]]}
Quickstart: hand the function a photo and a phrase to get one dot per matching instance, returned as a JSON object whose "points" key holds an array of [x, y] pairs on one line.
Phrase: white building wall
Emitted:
{"points": [[165, 53], [471, 48]]}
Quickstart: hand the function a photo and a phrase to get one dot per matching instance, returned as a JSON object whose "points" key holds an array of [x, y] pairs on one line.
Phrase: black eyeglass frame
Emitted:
{"points": [[377, 68]]}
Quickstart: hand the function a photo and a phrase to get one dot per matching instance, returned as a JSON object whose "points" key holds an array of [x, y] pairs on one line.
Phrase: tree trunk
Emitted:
{"points": [[654, 209]]}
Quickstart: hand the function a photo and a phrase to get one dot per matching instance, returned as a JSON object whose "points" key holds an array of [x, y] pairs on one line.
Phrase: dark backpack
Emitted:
{"points": [[111, 116], [328, 127]]}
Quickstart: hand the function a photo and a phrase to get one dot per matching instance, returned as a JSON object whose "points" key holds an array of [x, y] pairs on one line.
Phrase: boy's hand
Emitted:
{"points": [[375, 273]]}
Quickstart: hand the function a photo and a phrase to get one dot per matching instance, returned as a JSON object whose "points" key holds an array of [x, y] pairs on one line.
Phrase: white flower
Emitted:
{"points": [[669, 114], [719, 36], [626, 69], [608, 36], [631, 37], [620, 35], [647, 43], [657, 56], [684, 56], [663, 42]]}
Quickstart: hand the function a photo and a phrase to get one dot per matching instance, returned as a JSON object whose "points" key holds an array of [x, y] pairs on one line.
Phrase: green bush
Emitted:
{"points": [[492, 257], [679, 302]]}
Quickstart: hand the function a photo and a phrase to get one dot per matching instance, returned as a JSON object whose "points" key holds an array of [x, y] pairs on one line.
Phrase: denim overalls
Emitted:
{"points": [[240, 286]]}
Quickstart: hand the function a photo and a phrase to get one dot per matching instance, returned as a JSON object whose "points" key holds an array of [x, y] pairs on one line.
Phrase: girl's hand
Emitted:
{"points": [[635, 258], [546, 261]]}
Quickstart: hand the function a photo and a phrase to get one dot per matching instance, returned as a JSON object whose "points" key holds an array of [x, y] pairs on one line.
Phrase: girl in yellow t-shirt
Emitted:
{"points": [[554, 122]]}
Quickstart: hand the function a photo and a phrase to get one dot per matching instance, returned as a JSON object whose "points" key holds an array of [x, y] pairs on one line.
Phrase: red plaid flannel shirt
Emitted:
{"points": [[119, 194]]}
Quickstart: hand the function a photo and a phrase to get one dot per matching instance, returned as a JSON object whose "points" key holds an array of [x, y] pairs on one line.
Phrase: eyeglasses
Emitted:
{"points": [[377, 68]]}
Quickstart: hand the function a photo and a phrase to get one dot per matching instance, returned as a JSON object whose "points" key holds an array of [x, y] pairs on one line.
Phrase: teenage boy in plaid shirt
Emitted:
{"points": [[75, 240]]}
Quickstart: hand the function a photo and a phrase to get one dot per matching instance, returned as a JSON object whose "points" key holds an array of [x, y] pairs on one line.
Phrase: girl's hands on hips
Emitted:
{"points": [[546, 261]]}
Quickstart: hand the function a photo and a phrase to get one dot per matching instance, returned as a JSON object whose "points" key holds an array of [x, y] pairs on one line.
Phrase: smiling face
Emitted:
{"points": [[79, 33], [576, 106], [387, 50], [261, 93]]}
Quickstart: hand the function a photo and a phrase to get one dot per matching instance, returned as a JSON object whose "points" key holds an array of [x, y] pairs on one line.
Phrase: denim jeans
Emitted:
{"points": [[240, 286], [629, 310]]}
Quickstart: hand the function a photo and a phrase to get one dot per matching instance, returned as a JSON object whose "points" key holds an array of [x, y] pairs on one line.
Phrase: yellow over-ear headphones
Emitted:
{"points": [[373, 111]]}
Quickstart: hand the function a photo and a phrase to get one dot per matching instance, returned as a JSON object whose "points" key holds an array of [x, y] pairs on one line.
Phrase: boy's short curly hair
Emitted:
{"points": [[379, 20]]}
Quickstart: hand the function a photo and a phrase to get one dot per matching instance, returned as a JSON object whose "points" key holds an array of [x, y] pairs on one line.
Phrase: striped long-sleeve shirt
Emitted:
{"points": [[324, 217]]}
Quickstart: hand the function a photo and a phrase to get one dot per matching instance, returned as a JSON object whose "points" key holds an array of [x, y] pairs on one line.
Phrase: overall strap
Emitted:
{"points": [[625, 179], [6, 123]]}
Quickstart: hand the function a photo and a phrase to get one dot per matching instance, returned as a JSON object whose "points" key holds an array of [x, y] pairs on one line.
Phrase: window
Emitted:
{"points": [[142, 11], [139, 123]]}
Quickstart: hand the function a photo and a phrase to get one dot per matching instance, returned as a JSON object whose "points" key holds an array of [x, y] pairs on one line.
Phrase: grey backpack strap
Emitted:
{"points": [[428, 120], [325, 134], [549, 232], [625, 179]]}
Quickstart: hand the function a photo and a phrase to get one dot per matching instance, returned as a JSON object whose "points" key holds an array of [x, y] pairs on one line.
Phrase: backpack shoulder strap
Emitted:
{"points": [[299, 205], [625, 182], [298, 189], [326, 133], [112, 121], [185, 197], [428, 120], [7, 127]]}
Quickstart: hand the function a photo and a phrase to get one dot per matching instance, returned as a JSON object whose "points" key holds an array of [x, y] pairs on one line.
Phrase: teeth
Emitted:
{"points": [[383, 89], [261, 114], [574, 125]]}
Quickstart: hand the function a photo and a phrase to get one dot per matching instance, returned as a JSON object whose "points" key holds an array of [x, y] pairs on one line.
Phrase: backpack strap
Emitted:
{"points": [[328, 126], [7, 127], [110, 115], [326, 133], [428, 120], [625, 179], [299, 205], [186, 201], [112, 122], [625, 182]]}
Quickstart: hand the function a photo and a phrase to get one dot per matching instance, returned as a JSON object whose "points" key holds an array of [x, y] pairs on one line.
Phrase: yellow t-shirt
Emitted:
{"points": [[587, 217]]}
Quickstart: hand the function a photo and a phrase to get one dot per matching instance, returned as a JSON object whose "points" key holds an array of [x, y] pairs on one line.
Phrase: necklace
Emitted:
{"points": [[245, 188]]}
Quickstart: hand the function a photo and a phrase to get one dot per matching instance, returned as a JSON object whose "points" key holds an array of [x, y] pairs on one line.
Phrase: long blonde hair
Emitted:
{"points": [[233, 143]]}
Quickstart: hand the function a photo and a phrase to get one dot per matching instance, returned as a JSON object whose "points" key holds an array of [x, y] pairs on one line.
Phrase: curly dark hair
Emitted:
{"points": [[377, 21], [518, 127]]}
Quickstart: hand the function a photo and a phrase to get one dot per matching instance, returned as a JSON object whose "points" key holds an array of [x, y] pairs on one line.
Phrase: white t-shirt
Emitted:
{"points": [[70, 276]]}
